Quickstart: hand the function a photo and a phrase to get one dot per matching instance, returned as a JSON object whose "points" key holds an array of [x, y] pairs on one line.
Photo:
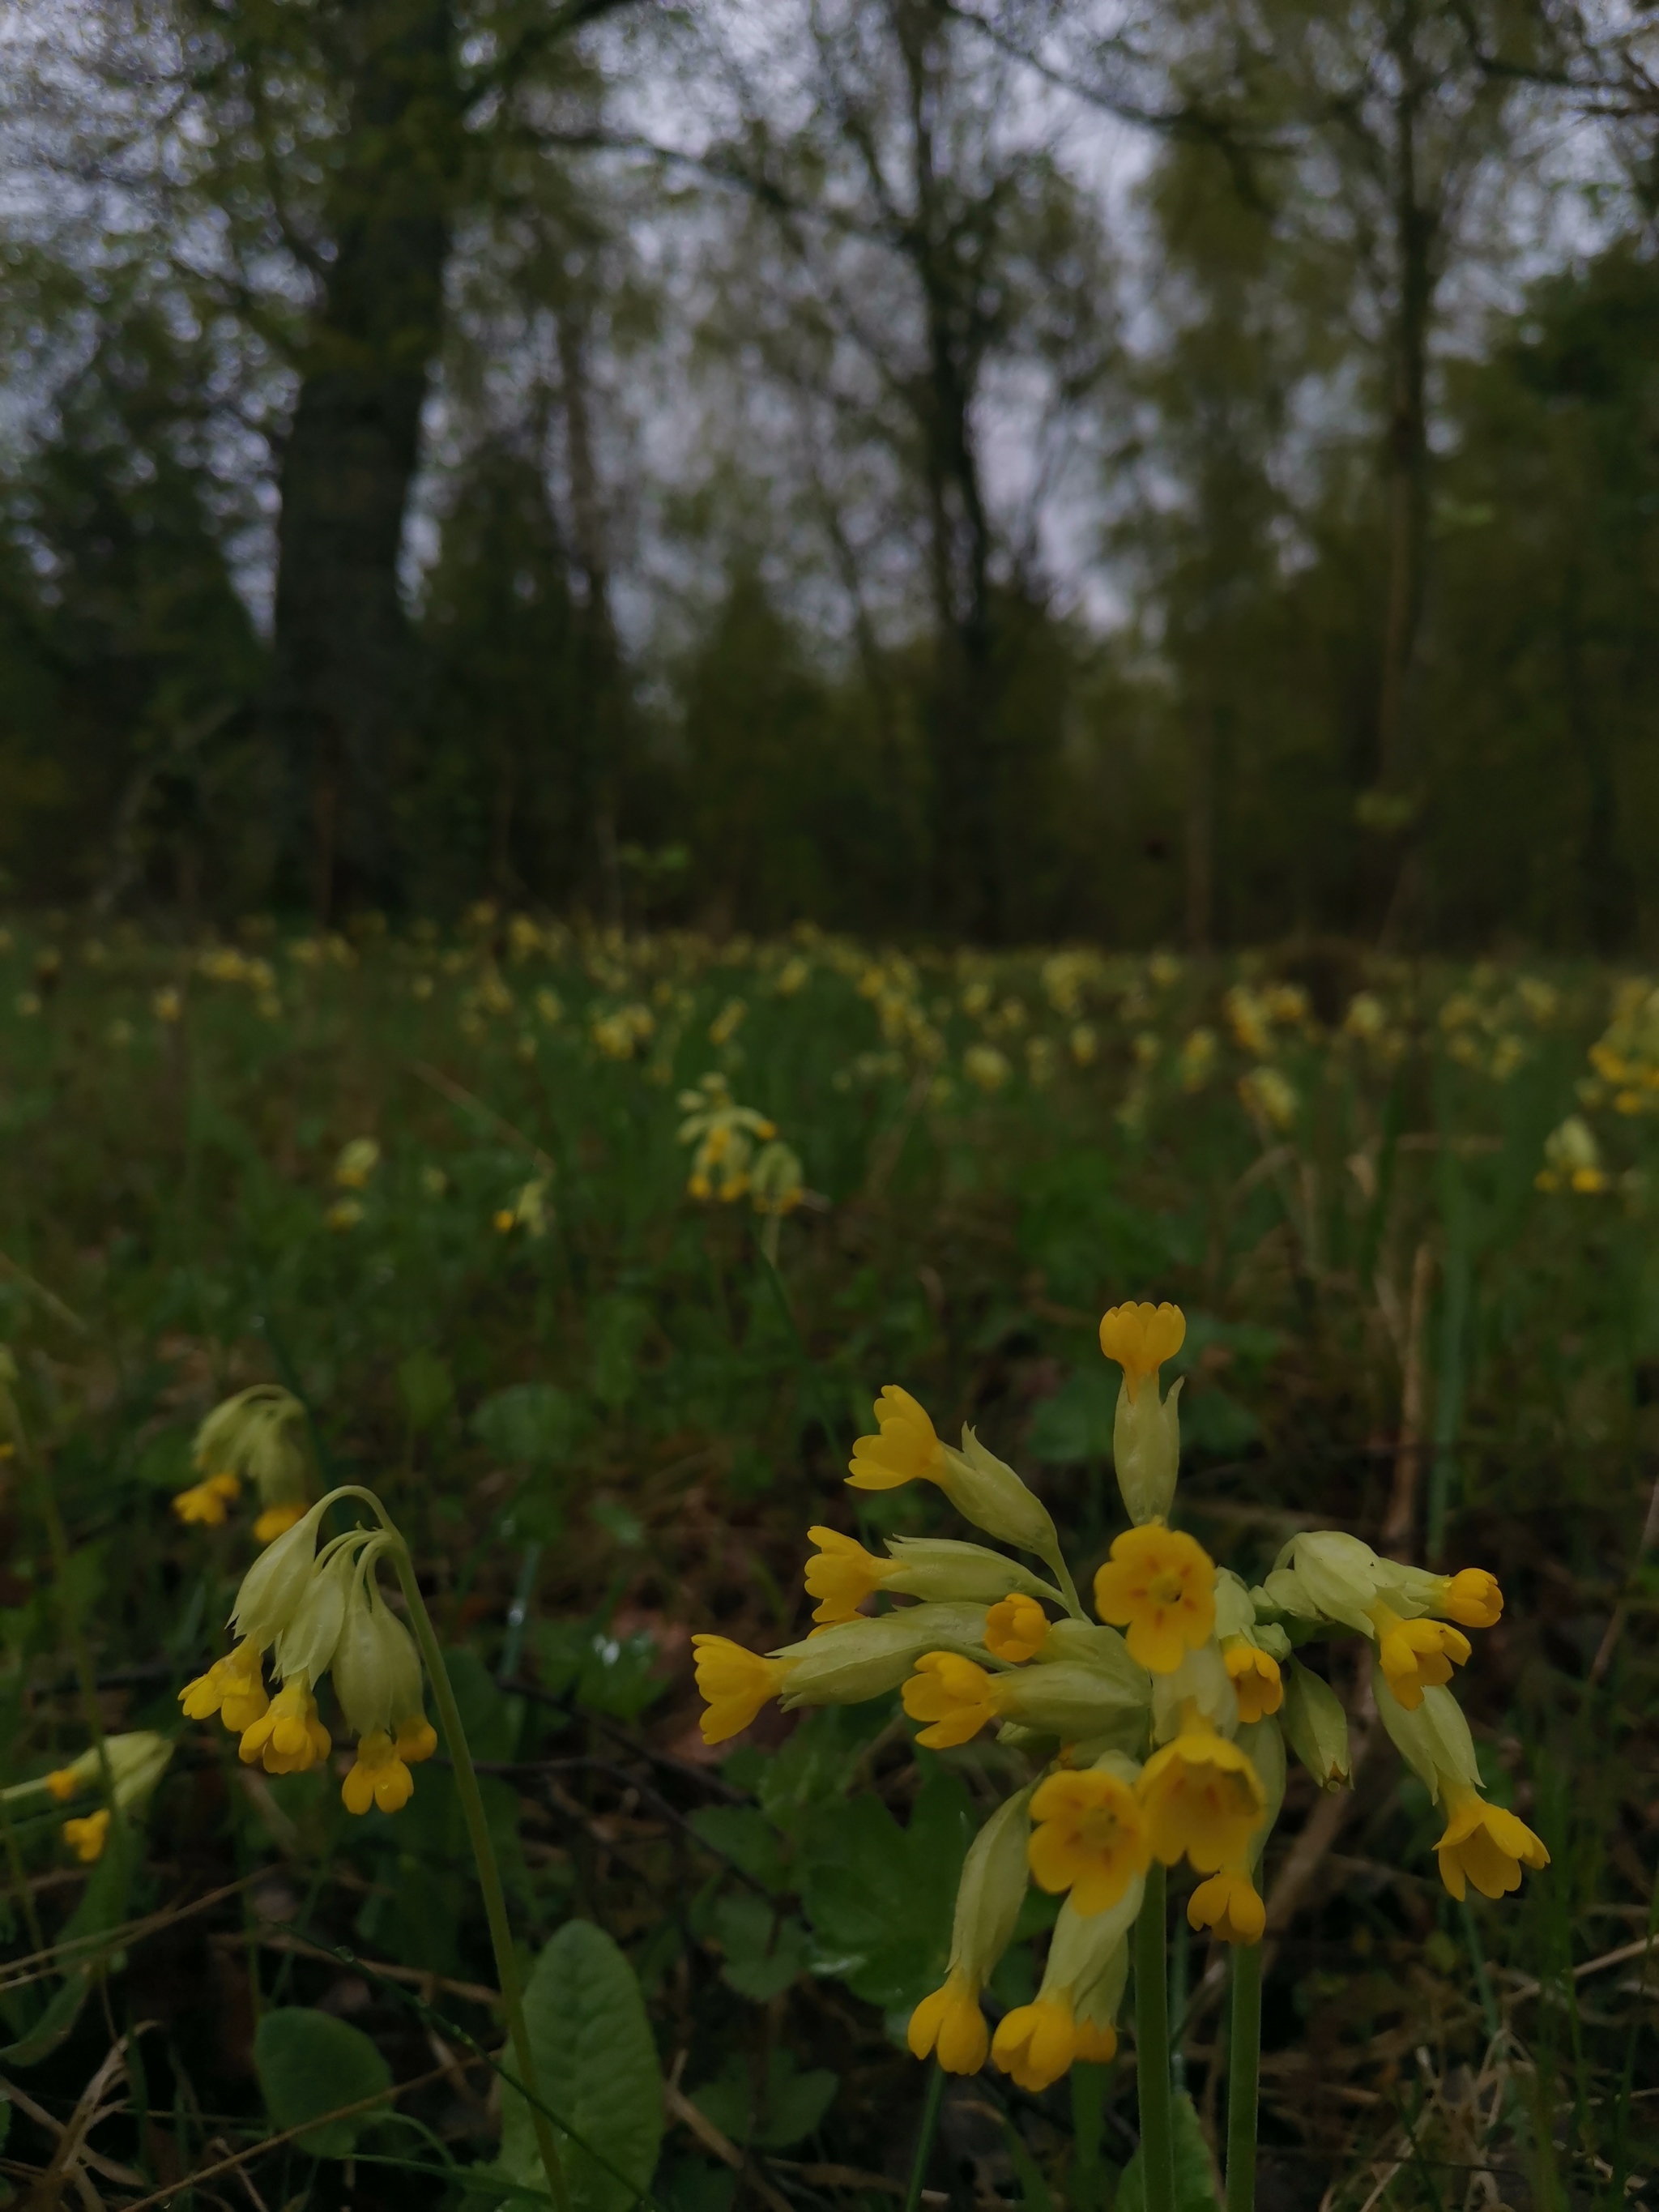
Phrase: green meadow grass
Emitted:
{"points": [[607, 1435]]}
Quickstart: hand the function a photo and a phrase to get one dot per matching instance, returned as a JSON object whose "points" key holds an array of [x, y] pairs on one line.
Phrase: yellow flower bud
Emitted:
{"points": [[1016, 1629], [87, 1838]]}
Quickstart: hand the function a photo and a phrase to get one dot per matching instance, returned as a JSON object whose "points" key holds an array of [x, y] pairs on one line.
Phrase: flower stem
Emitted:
{"points": [[1152, 2047], [1244, 2076], [925, 2140], [489, 1879]]}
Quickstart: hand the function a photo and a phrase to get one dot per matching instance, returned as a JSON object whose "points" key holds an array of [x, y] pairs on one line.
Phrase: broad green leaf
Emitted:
{"points": [[597, 2071], [880, 1897], [1194, 2177], [309, 2064]]}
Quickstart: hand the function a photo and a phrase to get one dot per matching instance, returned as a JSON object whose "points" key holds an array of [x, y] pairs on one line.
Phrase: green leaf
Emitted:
{"points": [[765, 1951], [597, 2071], [793, 2105], [54, 2025], [795, 2102], [880, 1897], [310, 2063], [1194, 2179]]}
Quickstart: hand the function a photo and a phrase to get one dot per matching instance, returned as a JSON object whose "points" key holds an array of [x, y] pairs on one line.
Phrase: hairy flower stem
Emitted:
{"points": [[489, 1879], [1244, 2076], [1152, 2047]]}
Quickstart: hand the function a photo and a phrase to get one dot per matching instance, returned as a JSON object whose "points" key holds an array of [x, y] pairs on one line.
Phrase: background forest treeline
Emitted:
{"points": [[1044, 472]]}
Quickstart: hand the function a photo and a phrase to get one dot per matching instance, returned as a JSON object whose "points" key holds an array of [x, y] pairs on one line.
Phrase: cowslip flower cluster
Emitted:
{"points": [[736, 1150], [257, 1437], [1155, 1731], [132, 1764], [304, 1612]]}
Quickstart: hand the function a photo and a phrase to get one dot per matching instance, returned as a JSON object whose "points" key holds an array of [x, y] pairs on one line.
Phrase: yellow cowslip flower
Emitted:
{"points": [[277, 1520], [1255, 1676], [356, 1163], [1160, 1587], [379, 1776], [64, 1782], [1227, 1905], [234, 1688], [734, 1684], [207, 1504], [1140, 1338], [1485, 1844], [957, 1695], [1089, 1837], [1016, 1629], [1415, 1654], [288, 1738], [1472, 1598], [1202, 1798], [843, 1575], [1035, 2044], [87, 1838], [950, 2026], [906, 1448]]}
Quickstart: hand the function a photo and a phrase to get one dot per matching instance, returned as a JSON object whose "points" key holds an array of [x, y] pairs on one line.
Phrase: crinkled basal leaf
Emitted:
{"points": [[310, 2063], [880, 1897], [597, 2070]]}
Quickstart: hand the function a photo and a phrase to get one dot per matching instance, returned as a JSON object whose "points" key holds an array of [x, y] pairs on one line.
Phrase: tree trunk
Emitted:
{"points": [[1400, 765], [340, 676], [968, 891]]}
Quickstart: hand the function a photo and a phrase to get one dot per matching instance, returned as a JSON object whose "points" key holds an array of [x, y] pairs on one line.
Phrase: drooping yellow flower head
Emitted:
{"points": [[1037, 2043], [288, 1738], [1255, 1677], [207, 1504], [87, 1838], [1159, 1586], [1203, 1800], [949, 2024], [734, 1684], [234, 1688], [1017, 1629], [379, 1776], [906, 1448], [1089, 1837], [1473, 1599], [843, 1574], [1487, 1845], [1140, 1338], [955, 1695], [1416, 1655], [1227, 1905]]}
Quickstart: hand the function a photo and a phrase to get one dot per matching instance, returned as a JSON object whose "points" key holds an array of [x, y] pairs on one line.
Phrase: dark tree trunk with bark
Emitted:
{"points": [[341, 680]]}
